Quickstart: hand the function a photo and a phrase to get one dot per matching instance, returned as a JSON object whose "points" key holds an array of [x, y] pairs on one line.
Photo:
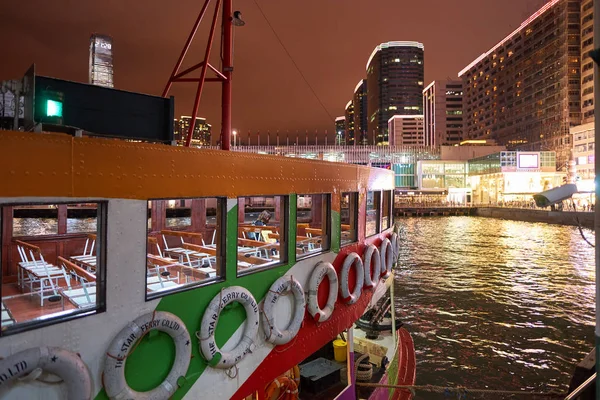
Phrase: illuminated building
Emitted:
{"points": [[442, 110], [202, 131], [406, 130], [512, 176], [587, 65], [101, 61], [349, 123], [583, 155], [395, 73], [359, 102], [340, 130], [525, 92]]}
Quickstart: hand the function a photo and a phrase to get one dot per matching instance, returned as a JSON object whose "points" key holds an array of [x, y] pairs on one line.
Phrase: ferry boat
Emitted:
{"points": [[77, 302], [146, 271]]}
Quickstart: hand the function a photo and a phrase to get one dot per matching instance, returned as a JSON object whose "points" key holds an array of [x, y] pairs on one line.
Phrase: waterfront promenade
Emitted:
{"points": [[573, 218]]}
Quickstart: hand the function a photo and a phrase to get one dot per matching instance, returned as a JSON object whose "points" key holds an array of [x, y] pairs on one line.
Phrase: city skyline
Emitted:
{"points": [[268, 91]]}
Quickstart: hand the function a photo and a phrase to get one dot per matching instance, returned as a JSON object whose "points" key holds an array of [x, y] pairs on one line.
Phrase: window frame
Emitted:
{"points": [[283, 231], [65, 315], [326, 218], [353, 202], [221, 218], [389, 208], [377, 202]]}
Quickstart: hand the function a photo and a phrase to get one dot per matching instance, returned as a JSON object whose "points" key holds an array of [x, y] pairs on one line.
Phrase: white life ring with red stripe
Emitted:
{"points": [[371, 257], [282, 285], [321, 270], [352, 259], [387, 258], [114, 368], [211, 352]]}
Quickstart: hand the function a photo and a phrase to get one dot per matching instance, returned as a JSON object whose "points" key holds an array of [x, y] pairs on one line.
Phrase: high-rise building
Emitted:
{"points": [[525, 92], [340, 130], [202, 131], [349, 123], [359, 101], [442, 110], [406, 130], [587, 65], [395, 74], [101, 61]]}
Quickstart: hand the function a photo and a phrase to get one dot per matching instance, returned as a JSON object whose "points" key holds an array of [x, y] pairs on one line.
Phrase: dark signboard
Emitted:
{"points": [[102, 111]]}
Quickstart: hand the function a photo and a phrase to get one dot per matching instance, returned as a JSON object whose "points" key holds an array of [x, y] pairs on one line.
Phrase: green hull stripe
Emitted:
{"points": [[152, 360], [336, 234]]}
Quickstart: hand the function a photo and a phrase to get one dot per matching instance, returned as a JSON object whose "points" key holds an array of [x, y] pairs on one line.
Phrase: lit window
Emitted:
{"points": [[386, 210], [54, 267], [313, 227], [262, 227], [373, 210], [184, 244], [349, 217]]}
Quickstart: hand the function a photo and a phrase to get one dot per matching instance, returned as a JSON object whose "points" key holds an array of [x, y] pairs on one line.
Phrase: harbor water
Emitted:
{"points": [[495, 304]]}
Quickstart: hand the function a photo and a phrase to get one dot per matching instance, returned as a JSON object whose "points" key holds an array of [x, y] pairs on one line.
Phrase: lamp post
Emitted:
{"points": [[234, 137]]}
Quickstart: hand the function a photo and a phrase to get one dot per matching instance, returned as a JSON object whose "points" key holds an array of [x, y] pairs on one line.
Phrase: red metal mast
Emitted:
{"points": [[223, 76]]}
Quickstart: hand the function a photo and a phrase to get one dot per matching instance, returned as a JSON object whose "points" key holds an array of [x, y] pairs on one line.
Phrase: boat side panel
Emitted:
{"points": [[125, 291]]}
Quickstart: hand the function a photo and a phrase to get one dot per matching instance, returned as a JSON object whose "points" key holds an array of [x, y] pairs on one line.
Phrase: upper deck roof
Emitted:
{"points": [[58, 165]]}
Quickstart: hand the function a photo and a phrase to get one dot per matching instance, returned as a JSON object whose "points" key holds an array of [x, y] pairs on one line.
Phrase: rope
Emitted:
{"points": [[363, 375], [462, 391], [579, 226], [294, 62]]}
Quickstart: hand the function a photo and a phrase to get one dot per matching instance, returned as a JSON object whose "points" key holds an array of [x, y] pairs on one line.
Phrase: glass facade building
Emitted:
{"points": [[101, 61], [395, 73]]}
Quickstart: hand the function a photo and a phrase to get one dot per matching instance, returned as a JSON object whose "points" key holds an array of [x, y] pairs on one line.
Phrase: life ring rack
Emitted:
{"points": [[372, 256], [123, 344], [211, 352], [352, 259], [321, 270], [55, 360], [279, 287]]}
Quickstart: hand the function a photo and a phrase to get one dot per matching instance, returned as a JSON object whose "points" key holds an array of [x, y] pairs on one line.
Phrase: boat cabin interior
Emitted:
{"points": [[53, 254]]}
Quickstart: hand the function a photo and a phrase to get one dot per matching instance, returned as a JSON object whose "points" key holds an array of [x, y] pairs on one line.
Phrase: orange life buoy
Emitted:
{"points": [[288, 390]]}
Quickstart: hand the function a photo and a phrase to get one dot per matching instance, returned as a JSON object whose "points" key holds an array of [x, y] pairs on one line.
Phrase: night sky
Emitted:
{"points": [[330, 40]]}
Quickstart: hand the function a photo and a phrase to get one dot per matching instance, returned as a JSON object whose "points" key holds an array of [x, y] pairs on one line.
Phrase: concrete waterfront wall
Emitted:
{"points": [[586, 219]]}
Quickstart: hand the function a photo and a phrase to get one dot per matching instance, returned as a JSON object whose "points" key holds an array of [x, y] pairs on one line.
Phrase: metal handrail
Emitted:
{"points": [[574, 394]]}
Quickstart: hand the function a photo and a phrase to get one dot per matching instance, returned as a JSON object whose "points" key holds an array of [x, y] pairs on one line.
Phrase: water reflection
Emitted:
{"points": [[49, 226], [495, 304]]}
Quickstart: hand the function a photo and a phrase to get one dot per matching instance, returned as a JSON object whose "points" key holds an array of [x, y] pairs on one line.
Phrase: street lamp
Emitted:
{"points": [[234, 137]]}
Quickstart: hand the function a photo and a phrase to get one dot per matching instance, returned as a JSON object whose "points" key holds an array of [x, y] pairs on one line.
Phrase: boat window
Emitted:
{"points": [[349, 217], [313, 227], [373, 211], [261, 235], [386, 210], [184, 244], [52, 266]]}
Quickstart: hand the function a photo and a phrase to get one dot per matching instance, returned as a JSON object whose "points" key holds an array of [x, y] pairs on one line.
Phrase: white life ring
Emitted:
{"points": [[387, 258], [60, 362], [372, 256], [395, 245], [281, 285], [321, 270], [352, 259], [211, 352], [114, 367]]}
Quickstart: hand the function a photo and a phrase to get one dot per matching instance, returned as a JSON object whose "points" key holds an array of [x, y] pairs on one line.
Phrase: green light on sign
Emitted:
{"points": [[53, 108]]}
